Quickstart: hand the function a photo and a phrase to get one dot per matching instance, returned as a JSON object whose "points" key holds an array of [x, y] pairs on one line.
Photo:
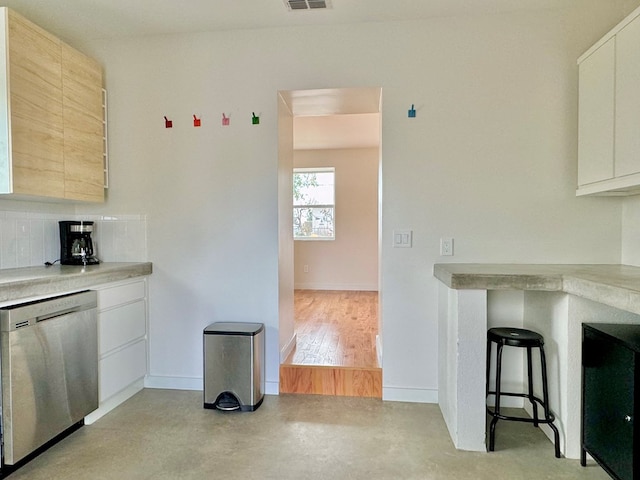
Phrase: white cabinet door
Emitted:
{"points": [[627, 143], [596, 115]]}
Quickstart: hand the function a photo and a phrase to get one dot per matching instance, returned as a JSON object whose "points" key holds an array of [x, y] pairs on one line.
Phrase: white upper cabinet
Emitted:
{"points": [[596, 115], [609, 113], [628, 100]]}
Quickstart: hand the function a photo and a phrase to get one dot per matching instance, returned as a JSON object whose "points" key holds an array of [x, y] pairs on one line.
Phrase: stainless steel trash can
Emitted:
{"points": [[234, 366]]}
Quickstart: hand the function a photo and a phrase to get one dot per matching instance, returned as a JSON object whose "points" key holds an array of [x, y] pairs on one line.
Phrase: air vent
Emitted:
{"points": [[307, 4]]}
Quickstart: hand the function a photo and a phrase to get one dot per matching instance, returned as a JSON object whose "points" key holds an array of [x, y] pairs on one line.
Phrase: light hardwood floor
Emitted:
{"points": [[335, 350]]}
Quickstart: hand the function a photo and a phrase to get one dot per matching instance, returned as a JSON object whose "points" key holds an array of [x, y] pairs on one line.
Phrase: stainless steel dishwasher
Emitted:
{"points": [[49, 370]]}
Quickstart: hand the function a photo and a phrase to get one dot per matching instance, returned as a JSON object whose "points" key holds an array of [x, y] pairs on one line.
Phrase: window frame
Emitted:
{"points": [[327, 205]]}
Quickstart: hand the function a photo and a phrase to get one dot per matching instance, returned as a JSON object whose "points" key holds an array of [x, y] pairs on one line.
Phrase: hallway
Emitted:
{"points": [[335, 350]]}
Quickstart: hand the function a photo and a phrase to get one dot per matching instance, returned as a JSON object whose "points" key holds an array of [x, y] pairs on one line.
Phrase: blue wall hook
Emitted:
{"points": [[412, 112]]}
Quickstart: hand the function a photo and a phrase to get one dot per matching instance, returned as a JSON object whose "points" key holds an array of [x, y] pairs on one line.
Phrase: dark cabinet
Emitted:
{"points": [[610, 373]]}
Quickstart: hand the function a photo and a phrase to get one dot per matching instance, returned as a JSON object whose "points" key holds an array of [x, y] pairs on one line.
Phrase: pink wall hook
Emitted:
{"points": [[168, 123], [225, 120], [196, 121]]}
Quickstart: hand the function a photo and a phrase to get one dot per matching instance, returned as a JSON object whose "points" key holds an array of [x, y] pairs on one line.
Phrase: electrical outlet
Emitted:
{"points": [[446, 246], [306, 268]]}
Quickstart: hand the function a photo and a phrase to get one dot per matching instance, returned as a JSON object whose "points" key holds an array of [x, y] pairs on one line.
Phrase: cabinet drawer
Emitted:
{"points": [[121, 369], [119, 326], [120, 294]]}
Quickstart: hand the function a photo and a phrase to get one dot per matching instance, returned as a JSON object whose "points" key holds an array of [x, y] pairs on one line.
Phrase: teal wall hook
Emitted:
{"points": [[412, 112]]}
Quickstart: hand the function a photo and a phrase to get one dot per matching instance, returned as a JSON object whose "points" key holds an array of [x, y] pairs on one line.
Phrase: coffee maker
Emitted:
{"points": [[76, 247]]}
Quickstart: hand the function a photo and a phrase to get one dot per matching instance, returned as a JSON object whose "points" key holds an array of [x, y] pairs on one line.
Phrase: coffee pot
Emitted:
{"points": [[76, 247]]}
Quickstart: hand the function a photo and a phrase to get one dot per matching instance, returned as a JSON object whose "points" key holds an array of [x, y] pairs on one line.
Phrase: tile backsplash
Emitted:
{"points": [[32, 238]]}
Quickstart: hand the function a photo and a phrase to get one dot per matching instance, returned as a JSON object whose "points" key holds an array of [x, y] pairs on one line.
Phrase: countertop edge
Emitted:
{"points": [[38, 281], [614, 285]]}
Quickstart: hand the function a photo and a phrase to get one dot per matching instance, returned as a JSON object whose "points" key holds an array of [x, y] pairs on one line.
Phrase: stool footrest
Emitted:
{"points": [[548, 417]]}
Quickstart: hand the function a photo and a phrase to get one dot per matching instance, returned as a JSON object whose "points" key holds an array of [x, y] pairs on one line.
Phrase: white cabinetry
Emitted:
{"points": [[628, 100], [122, 342], [596, 115], [609, 113]]}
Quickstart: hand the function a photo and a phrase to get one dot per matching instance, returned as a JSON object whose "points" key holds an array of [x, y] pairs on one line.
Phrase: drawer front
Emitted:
{"points": [[121, 369], [117, 295], [122, 325]]}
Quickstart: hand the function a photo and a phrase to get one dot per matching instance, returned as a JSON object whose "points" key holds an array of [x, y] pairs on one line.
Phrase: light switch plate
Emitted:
{"points": [[402, 238]]}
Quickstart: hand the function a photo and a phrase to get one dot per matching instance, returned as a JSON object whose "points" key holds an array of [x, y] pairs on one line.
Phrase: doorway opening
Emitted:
{"points": [[330, 335]]}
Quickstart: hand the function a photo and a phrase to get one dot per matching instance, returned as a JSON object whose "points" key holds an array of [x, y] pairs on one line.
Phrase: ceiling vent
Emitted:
{"points": [[307, 4]]}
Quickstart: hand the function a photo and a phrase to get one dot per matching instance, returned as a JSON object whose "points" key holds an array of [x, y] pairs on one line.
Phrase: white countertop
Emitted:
{"points": [[18, 283], [614, 285]]}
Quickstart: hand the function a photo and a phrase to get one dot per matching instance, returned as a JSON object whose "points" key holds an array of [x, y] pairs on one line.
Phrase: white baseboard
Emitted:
{"points": [[174, 383], [288, 348], [114, 401], [360, 287], [413, 395], [189, 383]]}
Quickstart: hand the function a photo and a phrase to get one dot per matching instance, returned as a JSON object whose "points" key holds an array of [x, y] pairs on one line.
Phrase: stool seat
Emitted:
{"points": [[515, 337], [521, 338]]}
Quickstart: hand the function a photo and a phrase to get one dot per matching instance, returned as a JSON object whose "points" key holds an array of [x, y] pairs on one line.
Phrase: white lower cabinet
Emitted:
{"points": [[122, 343]]}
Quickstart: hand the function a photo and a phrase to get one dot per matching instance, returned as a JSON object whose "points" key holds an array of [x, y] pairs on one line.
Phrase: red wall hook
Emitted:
{"points": [[168, 123], [196, 121], [225, 120]]}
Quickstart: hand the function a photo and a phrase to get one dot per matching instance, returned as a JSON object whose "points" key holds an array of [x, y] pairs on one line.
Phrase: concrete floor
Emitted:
{"points": [[166, 434]]}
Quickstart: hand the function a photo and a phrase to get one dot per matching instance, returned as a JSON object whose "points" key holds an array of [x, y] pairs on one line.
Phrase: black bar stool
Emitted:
{"points": [[518, 337]]}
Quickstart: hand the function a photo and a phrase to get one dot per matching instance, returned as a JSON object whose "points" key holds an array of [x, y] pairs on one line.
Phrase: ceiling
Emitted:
{"points": [[74, 20]]}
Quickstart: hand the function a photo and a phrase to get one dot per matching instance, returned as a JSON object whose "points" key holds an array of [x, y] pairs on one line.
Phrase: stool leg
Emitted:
{"points": [[530, 383], [545, 397], [494, 421], [488, 371]]}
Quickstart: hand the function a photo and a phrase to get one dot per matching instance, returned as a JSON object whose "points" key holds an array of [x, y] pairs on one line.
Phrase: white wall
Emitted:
{"points": [[490, 160], [350, 262], [631, 230], [286, 326]]}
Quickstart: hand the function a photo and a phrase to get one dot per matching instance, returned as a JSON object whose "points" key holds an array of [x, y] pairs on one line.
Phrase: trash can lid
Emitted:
{"points": [[234, 328]]}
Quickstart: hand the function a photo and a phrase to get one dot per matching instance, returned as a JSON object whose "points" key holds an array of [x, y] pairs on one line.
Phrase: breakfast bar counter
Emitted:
{"points": [[556, 300]]}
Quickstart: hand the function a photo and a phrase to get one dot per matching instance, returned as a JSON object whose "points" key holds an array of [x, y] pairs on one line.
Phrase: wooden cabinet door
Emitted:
{"points": [[83, 127], [627, 136], [36, 109]]}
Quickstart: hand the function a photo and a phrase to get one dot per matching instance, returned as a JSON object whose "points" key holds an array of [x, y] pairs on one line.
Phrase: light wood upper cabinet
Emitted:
{"points": [[35, 95], [51, 116], [83, 128]]}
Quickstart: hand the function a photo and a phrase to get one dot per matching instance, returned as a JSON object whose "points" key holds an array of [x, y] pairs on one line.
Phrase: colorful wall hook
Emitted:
{"points": [[255, 120], [225, 120], [168, 123], [412, 112], [196, 121]]}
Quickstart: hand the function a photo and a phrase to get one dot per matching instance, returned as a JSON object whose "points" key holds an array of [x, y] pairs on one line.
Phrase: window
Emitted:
{"points": [[313, 203]]}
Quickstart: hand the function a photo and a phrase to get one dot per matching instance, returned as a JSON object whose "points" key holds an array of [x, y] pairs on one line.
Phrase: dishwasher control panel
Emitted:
{"points": [[26, 314]]}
